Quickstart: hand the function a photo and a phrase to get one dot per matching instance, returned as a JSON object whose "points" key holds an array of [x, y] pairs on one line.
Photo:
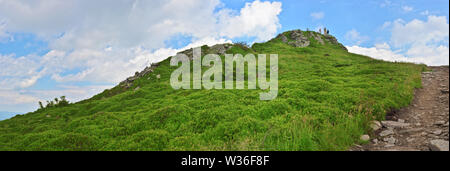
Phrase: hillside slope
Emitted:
{"points": [[325, 101]]}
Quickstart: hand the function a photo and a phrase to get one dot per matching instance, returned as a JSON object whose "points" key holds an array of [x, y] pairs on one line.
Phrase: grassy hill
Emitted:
{"points": [[325, 101]]}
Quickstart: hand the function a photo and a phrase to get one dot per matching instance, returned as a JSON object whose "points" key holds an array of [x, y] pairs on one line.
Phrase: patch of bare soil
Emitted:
{"points": [[422, 126]]}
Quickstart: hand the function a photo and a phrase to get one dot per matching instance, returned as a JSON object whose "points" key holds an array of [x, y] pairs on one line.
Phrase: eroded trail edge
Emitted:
{"points": [[422, 126]]}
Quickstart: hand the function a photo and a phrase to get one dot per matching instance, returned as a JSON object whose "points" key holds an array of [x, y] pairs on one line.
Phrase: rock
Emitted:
{"points": [[389, 145], [129, 81], [439, 123], [365, 137], [414, 130], [220, 49], [158, 76], [318, 37], [300, 40], [393, 124], [137, 88], [401, 120], [283, 38], [437, 132], [375, 141], [390, 140], [386, 133], [439, 145], [375, 125]]}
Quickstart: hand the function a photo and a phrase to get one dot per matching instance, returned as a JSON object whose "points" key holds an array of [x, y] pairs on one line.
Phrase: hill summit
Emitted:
{"points": [[327, 98]]}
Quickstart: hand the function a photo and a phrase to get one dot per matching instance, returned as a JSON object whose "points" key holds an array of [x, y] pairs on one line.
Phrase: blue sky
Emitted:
{"points": [[50, 48]]}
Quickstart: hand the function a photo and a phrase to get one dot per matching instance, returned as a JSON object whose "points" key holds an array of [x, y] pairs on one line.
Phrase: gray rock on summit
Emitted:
{"points": [[300, 40]]}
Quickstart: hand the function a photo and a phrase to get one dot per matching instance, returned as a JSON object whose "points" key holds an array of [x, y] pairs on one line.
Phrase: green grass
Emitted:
{"points": [[326, 99]]}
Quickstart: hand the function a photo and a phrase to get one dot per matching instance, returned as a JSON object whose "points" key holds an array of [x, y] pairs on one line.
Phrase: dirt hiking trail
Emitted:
{"points": [[422, 126]]}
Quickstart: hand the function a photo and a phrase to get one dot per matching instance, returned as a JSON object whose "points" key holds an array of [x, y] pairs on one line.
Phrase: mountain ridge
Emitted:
{"points": [[326, 99]]}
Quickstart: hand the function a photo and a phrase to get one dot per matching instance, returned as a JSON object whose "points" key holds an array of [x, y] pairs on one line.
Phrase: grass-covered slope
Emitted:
{"points": [[326, 99]]}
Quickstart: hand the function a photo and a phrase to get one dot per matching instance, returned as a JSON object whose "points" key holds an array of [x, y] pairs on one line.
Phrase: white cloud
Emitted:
{"points": [[415, 41], [432, 31], [355, 37], [106, 41], [407, 8], [258, 19], [3, 34], [317, 15], [12, 98], [111, 40]]}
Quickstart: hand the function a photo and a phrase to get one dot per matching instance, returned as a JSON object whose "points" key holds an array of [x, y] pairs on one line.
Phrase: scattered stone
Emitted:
{"points": [[401, 120], [365, 137], [439, 145], [389, 145], [432, 136], [437, 132], [390, 140], [393, 124], [375, 125], [158, 76], [375, 141], [409, 131], [410, 139], [439, 123], [137, 88], [386, 133]]}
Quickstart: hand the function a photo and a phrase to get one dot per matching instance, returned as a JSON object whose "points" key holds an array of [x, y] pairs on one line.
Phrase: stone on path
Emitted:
{"points": [[375, 125], [439, 145], [365, 137], [386, 133], [393, 124]]}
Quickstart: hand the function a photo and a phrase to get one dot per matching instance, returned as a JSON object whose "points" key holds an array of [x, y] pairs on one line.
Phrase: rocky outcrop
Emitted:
{"points": [[219, 49], [298, 38], [127, 83]]}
